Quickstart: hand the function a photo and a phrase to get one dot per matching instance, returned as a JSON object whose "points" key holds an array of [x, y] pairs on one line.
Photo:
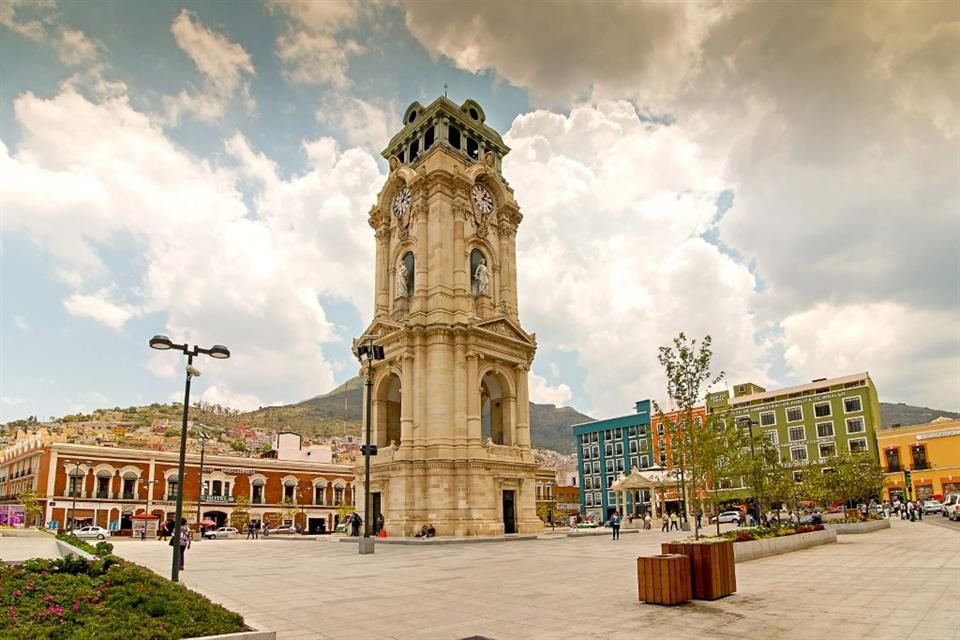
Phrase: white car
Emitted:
{"points": [[92, 531], [951, 506], [283, 529], [727, 516], [222, 532], [932, 506]]}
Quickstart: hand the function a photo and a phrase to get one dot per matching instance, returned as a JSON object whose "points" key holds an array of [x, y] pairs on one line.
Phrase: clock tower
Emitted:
{"points": [[450, 406]]}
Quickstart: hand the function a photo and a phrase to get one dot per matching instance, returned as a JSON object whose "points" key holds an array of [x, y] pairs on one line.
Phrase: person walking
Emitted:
{"points": [[647, 521], [249, 531], [355, 523], [664, 522], [184, 540], [674, 522], [162, 531], [378, 525], [919, 509], [615, 524]]}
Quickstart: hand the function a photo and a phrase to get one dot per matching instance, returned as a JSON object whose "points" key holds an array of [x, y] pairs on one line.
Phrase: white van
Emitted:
{"points": [[951, 506]]}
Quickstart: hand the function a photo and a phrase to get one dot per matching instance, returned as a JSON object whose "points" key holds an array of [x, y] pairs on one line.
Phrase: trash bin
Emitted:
{"points": [[664, 579]]}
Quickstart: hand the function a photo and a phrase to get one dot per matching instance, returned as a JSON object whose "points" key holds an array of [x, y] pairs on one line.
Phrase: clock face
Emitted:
{"points": [[401, 202], [482, 200]]}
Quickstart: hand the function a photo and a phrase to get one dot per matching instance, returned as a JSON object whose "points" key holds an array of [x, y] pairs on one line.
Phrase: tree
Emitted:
{"points": [[288, 509], [850, 477], [241, 512], [719, 450], [32, 509], [687, 369]]}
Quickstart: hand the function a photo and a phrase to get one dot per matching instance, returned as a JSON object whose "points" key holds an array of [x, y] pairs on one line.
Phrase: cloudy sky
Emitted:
{"points": [[782, 176]]}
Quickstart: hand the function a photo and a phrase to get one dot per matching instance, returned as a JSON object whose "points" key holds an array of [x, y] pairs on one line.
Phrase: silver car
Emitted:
{"points": [[222, 532], [932, 506], [92, 531]]}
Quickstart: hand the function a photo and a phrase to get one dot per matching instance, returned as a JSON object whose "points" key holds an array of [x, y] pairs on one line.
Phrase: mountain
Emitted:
{"points": [[339, 413], [905, 415]]}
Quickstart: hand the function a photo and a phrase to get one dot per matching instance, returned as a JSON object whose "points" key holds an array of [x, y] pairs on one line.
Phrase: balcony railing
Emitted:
{"points": [[128, 495], [894, 468], [924, 464]]}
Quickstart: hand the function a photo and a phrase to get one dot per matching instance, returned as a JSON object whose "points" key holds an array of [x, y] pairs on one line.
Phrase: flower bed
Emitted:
{"points": [[782, 541], [106, 598], [762, 533]]}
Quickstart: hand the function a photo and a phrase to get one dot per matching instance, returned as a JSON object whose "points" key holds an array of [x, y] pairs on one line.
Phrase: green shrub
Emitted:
{"points": [[107, 599]]}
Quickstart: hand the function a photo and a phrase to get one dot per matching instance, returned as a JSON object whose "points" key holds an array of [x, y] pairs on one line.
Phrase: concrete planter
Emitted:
{"points": [[868, 526], [243, 635], [753, 549]]}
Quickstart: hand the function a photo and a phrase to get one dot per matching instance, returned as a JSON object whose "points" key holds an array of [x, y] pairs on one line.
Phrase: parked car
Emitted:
{"points": [[727, 516], [222, 532], [91, 531], [951, 507], [932, 506], [282, 529]]}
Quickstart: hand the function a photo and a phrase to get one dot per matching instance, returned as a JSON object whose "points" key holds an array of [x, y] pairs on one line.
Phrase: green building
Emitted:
{"points": [[808, 423]]}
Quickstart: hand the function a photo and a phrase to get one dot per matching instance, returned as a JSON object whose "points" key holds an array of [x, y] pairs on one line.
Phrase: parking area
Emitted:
{"points": [[903, 583]]}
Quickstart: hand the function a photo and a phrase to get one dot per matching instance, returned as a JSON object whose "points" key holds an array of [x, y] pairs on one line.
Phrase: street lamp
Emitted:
{"points": [[219, 352], [203, 445], [750, 422], [368, 354], [73, 488]]}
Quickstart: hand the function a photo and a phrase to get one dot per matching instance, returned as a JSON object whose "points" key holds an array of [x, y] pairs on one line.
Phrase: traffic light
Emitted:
{"points": [[907, 479], [371, 447]]}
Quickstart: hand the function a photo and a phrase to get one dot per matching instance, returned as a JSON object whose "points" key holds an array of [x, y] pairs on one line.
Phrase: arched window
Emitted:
{"points": [[454, 134], [405, 270], [479, 273], [257, 497]]}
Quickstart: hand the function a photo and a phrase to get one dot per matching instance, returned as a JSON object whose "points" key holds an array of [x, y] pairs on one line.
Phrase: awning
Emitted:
{"points": [[145, 516]]}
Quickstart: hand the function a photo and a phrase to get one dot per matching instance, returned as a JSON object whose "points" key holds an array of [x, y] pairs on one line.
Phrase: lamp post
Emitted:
{"points": [[220, 352], [303, 515], [76, 472], [758, 498], [203, 445], [368, 354]]}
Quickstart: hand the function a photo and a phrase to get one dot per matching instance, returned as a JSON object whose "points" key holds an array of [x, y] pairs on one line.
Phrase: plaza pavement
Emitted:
{"points": [[901, 583]]}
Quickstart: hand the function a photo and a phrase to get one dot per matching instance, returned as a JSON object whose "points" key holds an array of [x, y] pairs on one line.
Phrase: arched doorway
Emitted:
{"points": [[496, 409], [387, 411]]}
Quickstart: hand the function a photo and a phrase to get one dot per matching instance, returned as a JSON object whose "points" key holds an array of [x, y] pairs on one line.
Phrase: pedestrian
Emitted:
{"points": [[184, 540], [378, 525], [647, 521], [162, 531], [573, 523], [919, 509], [664, 522], [674, 522], [266, 529], [699, 519], [143, 532], [615, 524], [249, 530], [355, 523]]}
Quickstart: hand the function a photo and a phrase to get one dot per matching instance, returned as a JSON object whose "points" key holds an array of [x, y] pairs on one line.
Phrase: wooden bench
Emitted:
{"points": [[664, 579]]}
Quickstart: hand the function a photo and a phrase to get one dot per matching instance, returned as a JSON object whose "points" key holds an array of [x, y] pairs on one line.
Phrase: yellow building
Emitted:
{"points": [[929, 452]]}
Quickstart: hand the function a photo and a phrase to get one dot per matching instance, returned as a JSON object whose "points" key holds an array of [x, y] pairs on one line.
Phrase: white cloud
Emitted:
{"points": [[97, 306], [369, 124], [75, 48], [542, 392], [912, 355], [32, 28], [11, 401], [611, 262], [217, 394], [224, 65], [22, 323], [217, 271], [314, 47]]}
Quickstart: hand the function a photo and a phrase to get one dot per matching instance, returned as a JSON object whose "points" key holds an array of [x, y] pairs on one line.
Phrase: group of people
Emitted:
{"points": [[426, 531], [254, 528], [911, 510]]}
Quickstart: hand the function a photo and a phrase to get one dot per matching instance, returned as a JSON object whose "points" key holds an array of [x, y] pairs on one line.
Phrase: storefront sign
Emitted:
{"points": [[946, 433], [224, 499], [231, 471]]}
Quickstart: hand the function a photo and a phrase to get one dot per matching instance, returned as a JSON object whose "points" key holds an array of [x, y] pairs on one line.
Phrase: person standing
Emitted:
{"points": [[355, 522], [664, 522], [919, 509], [674, 522], [378, 526], [647, 521], [184, 540], [615, 524]]}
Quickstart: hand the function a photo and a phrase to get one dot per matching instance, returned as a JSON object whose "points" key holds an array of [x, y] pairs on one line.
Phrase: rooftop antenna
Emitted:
{"points": [[444, 89]]}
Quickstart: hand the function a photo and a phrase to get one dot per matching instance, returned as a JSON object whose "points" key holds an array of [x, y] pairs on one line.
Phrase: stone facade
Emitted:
{"points": [[450, 410]]}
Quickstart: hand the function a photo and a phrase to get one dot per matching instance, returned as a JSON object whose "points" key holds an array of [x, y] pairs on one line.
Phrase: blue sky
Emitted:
{"points": [[204, 170]]}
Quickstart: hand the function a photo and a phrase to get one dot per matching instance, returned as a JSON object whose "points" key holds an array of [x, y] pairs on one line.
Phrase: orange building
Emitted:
{"points": [[109, 486], [663, 453], [930, 453]]}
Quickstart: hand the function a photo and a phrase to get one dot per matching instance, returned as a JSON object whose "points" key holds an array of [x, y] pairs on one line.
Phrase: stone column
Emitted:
{"points": [[523, 407], [407, 394], [460, 412], [474, 428], [382, 270]]}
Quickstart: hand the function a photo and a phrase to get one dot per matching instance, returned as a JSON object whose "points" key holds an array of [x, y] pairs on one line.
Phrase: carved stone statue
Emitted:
{"points": [[482, 278], [402, 280]]}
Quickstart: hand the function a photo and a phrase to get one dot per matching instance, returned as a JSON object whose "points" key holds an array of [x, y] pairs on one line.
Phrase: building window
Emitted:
{"points": [[318, 495], [893, 460], [596, 451], [588, 483], [663, 460], [827, 449], [609, 465], [633, 446], [618, 434], [920, 457], [798, 476], [794, 414], [798, 454], [589, 500], [632, 430], [217, 488], [634, 462], [768, 419], [857, 445], [643, 445], [596, 498], [619, 464], [852, 405], [103, 487], [596, 466], [609, 481], [855, 425], [824, 429], [172, 488], [539, 492], [619, 448], [662, 445], [644, 462], [796, 434], [129, 487], [337, 496], [822, 410], [608, 449], [76, 486], [660, 429]]}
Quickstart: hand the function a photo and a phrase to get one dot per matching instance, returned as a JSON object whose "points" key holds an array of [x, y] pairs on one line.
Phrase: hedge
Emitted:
{"points": [[107, 598]]}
